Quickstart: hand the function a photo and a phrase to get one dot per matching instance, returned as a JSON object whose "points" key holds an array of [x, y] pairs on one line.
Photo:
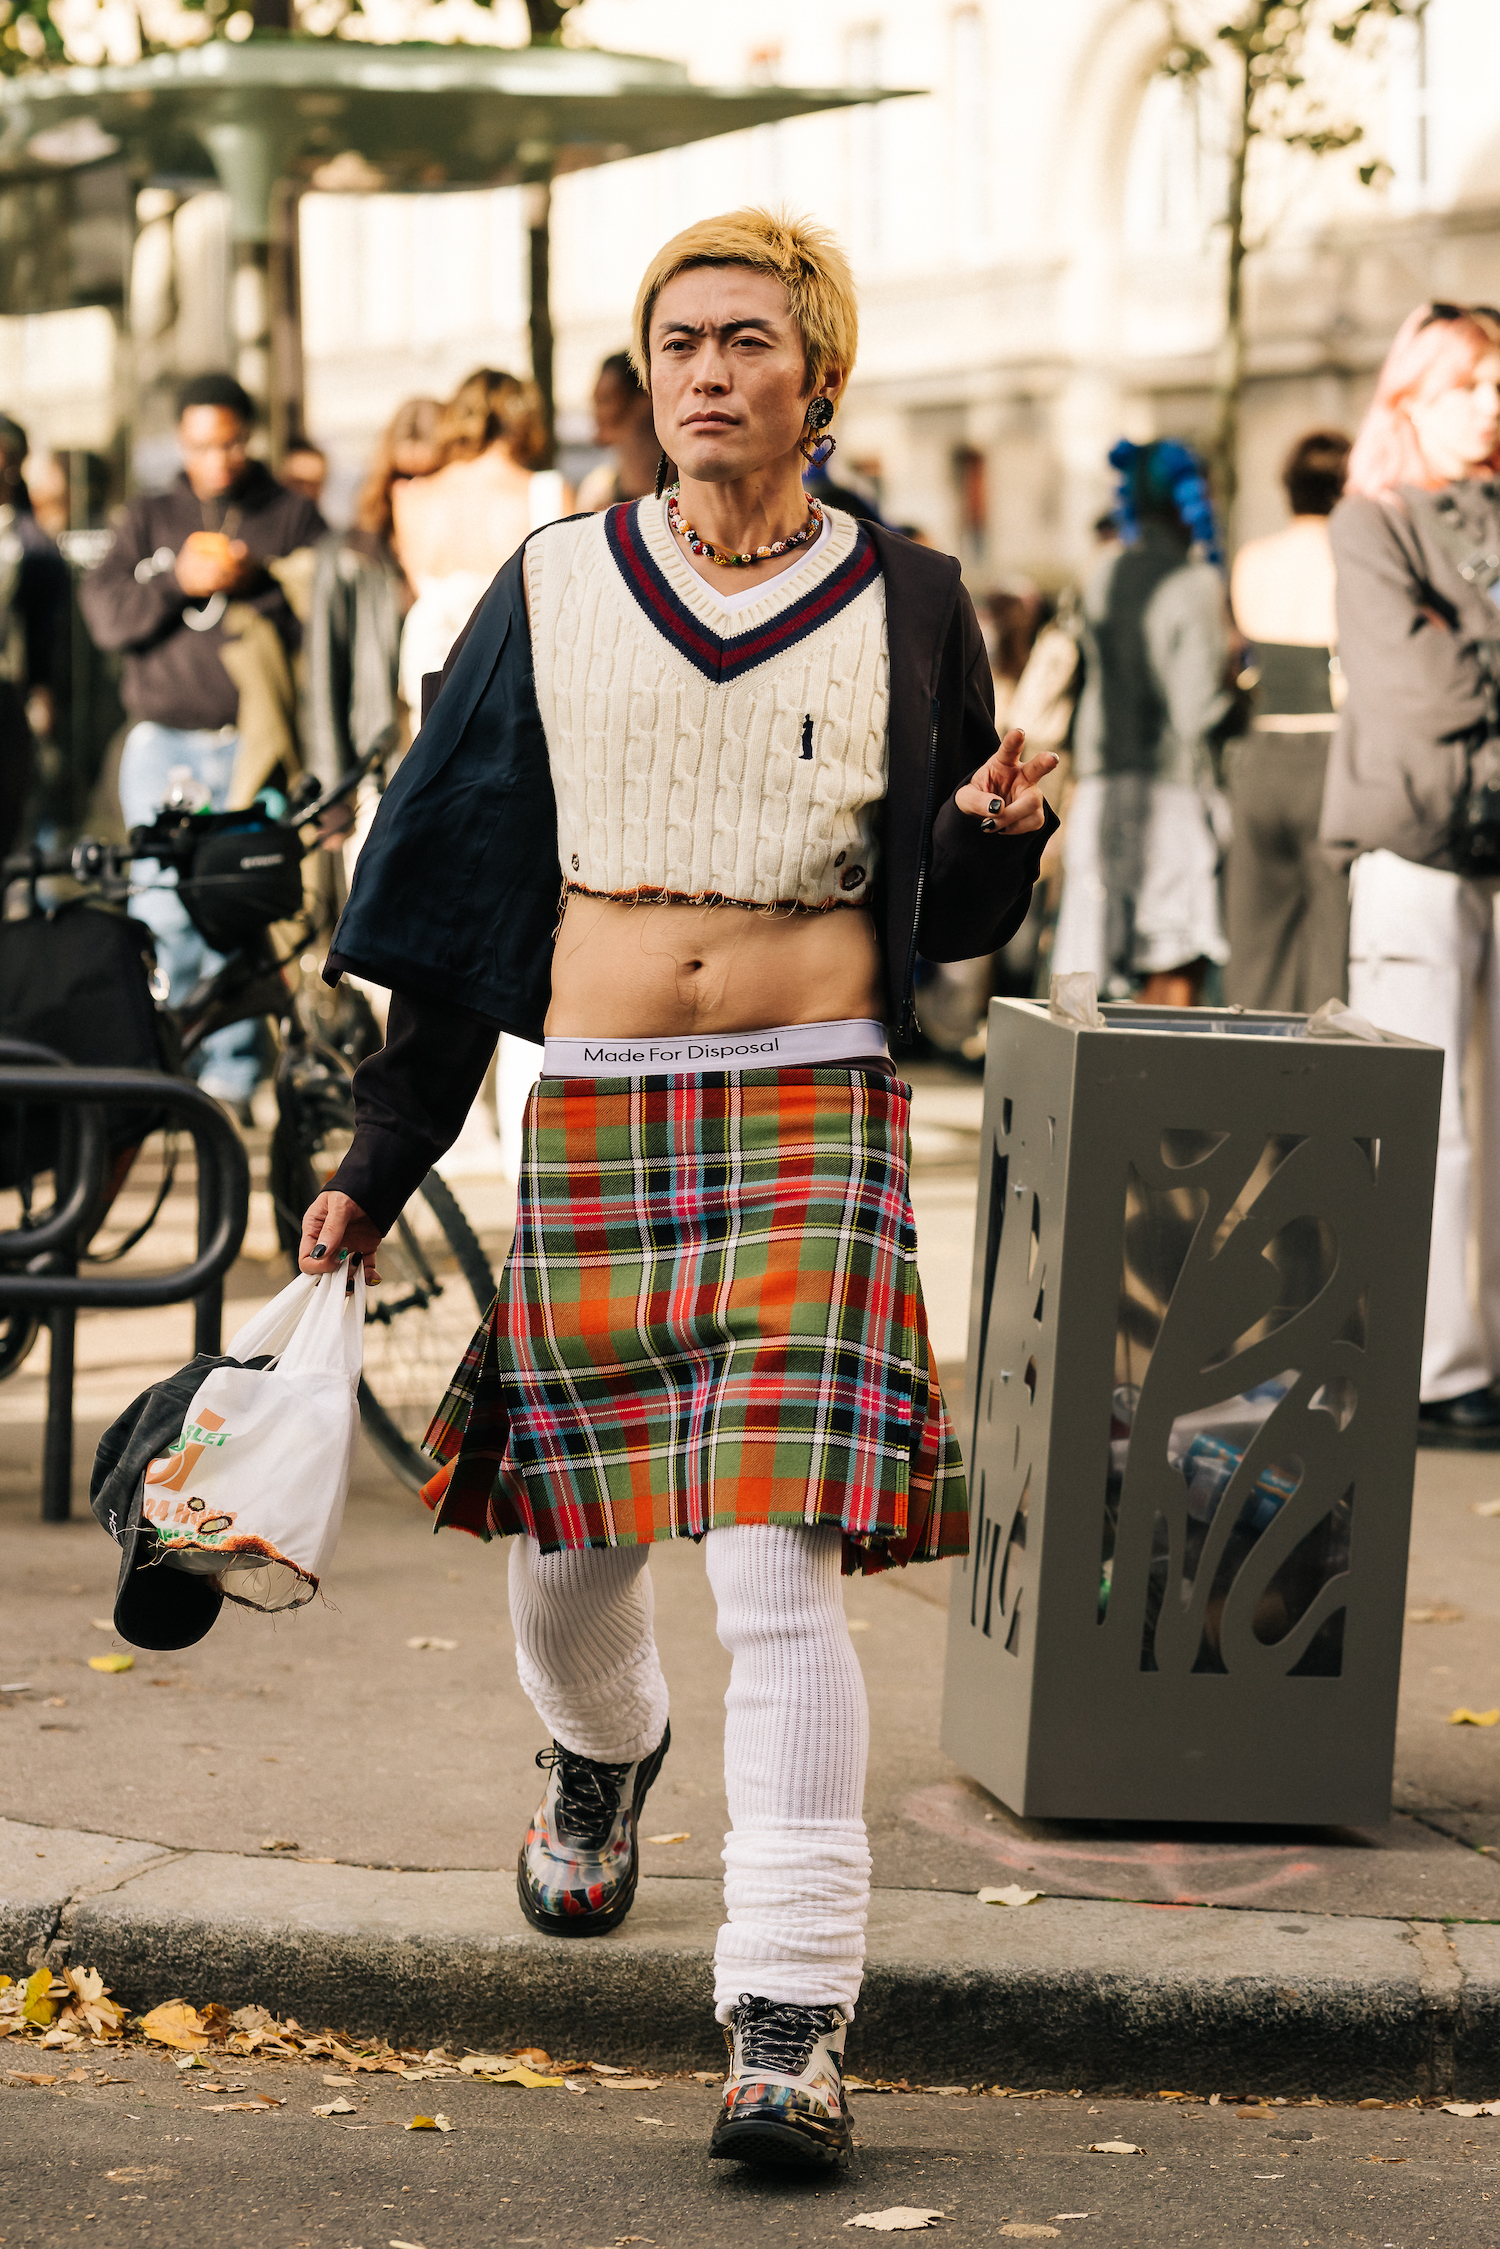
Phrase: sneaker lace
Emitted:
{"points": [[588, 1795], [776, 2035]]}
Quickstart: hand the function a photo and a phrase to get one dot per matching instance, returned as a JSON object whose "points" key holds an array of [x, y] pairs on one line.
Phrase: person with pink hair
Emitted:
{"points": [[1416, 543]]}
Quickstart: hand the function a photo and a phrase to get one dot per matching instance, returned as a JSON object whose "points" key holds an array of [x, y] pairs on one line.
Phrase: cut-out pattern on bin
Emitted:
{"points": [[1219, 1548], [1193, 1346]]}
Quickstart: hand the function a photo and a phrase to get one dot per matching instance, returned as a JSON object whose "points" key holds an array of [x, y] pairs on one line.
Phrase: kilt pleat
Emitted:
{"points": [[710, 1315]]}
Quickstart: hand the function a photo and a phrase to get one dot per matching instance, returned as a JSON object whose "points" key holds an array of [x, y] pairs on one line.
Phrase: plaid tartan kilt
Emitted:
{"points": [[710, 1314]]}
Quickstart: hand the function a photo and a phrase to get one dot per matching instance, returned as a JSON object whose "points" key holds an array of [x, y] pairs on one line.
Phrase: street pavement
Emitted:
{"points": [[159, 2158], [312, 1811]]}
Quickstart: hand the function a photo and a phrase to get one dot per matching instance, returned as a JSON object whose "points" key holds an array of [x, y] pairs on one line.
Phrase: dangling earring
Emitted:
{"points": [[663, 472], [819, 415]]}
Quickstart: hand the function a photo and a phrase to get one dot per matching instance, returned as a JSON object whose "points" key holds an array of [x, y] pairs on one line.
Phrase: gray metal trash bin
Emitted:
{"points": [[1199, 1282]]}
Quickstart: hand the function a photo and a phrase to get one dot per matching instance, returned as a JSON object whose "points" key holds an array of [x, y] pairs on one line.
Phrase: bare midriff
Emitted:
{"points": [[626, 970]]}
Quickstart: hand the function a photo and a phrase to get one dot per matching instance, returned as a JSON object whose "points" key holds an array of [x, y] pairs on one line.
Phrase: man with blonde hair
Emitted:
{"points": [[754, 742]]}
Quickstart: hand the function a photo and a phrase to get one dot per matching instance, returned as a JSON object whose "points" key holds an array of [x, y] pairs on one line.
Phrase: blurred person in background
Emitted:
{"points": [[622, 421], [47, 483], [453, 531], [1286, 908], [360, 599], [1416, 541], [1146, 821], [180, 559], [35, 608], [304, 469], [1011, 625]]}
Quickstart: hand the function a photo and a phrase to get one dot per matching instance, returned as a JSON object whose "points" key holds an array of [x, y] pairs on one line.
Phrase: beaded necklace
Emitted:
{"points": [[710, 553]]}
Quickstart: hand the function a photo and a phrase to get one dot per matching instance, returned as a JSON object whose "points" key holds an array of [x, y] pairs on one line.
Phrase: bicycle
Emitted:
{"points": [[438, 1281]]}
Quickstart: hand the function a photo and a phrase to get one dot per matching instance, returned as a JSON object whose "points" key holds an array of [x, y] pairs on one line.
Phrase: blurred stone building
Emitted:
{"points": [[1035, 236]]}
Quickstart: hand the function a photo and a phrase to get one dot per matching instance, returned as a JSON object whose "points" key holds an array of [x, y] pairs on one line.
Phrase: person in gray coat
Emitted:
{"points": [[1419, 644]]}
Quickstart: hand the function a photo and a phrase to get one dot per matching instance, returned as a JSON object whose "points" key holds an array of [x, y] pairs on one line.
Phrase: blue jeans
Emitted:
{"points": [[228, 1062]]}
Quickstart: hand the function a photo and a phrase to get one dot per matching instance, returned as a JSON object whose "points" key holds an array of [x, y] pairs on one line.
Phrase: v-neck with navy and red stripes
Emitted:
{"points": [[703, 754]]}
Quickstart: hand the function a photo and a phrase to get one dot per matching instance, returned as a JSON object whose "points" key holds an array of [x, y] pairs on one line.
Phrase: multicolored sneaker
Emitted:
{"points": [[784, 2103], [581, 1859]]}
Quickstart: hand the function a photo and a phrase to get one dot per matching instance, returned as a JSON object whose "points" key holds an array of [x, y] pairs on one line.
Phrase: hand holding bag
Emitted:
{"points": [[252, 1489]]}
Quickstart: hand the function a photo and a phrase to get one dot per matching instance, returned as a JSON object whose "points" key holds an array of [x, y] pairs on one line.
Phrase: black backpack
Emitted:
{"points": [[78, 980]]}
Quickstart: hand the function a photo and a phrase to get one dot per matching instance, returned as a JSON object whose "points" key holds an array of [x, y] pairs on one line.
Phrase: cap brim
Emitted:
{"points": [[157, 1607]]}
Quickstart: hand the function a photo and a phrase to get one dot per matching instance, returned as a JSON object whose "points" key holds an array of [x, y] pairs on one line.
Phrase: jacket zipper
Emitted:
{"points": [[907, 1024]]}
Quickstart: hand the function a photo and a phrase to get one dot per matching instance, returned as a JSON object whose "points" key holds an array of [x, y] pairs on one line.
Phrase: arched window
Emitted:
{"points": [[1175, 175]]}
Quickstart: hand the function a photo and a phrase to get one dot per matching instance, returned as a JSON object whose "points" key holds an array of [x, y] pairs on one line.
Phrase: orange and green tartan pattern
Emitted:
{"points": [[710, 1315]]}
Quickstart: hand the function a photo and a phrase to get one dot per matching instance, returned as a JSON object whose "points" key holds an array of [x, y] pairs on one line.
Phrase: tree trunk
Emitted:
{"points": [[1229, 374]]}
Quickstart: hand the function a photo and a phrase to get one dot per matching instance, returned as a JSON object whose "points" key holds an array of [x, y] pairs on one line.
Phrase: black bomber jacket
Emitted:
{"points": [[455, 899]]}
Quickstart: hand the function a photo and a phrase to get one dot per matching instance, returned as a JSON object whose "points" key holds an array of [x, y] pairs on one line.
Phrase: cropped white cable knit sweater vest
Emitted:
{"points": [[702, 756]]}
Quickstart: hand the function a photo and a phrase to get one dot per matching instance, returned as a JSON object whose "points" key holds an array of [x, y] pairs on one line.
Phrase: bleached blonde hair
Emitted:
{"points": [[803, 256]]}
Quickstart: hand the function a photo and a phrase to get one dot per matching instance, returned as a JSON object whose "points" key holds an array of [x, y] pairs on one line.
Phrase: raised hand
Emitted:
{"points": [[1005, 796]]}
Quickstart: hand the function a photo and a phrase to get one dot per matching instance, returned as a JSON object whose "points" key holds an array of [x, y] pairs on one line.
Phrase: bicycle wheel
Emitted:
{"points": [[436, 1285]]}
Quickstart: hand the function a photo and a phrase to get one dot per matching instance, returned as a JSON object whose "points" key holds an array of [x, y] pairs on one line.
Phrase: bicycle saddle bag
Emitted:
{"points": [[238, 872], [78, 980]]}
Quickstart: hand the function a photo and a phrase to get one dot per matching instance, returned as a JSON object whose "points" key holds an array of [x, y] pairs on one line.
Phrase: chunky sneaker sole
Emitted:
{"points": [[785, 2107], [594, 1884]]}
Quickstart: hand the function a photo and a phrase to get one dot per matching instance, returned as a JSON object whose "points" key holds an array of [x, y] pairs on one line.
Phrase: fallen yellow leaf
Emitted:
{"points": [[175, 2023], [119, 1661], [438, 2123], [37, 2007], [518, 2074], [335, 2108], [1012, 1894], [684, 1837], [1114, 2147], [1462, 1717]]}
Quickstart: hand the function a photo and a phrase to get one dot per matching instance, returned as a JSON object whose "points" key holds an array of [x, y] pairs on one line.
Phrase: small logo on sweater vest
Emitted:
{"points": [[807, 736]]}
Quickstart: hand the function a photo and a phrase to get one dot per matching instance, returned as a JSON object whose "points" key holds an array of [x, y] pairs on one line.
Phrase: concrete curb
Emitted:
{"points": [[1065, 1992]]}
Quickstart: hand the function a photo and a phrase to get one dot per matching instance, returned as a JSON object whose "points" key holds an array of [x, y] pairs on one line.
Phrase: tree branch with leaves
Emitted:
{"points": [[1273, 64]]}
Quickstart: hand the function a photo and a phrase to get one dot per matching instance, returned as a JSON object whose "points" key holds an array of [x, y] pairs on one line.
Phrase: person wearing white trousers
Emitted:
{"points": [[1423, 962], [1415, 542]]}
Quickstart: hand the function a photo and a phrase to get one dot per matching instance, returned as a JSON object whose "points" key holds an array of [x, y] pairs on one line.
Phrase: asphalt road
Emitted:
{"points": [[144, 2159]]}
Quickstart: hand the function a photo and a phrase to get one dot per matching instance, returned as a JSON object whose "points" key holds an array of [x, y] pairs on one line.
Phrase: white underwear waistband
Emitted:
{"points": [[787, 1046]]}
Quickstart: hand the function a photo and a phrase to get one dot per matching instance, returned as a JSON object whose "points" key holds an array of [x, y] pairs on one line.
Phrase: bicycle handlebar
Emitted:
{"points": [[97, 865]]}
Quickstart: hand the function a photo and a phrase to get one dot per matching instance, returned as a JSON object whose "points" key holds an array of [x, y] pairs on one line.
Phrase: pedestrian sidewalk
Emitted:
{"points": [[321, 1812]]}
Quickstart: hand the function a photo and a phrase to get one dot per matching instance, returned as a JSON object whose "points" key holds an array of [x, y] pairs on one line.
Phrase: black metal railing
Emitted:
{"points": [[45, 1272]]}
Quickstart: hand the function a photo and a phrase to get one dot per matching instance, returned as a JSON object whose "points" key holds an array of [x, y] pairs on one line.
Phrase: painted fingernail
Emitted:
{"points": [[319, 1251], [997, 804], [987, 827]]}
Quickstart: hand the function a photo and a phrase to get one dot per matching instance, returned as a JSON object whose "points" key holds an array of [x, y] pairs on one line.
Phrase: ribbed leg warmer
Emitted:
{"points": [[586, 1648], [796, 1738], [796, 1742]]}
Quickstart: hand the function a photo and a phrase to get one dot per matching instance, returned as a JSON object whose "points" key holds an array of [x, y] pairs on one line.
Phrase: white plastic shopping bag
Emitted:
{"points": [[253, 1489]]}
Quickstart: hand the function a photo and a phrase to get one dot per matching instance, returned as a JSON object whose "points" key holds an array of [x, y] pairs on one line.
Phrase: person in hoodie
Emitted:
{"points": [[180, 558]]}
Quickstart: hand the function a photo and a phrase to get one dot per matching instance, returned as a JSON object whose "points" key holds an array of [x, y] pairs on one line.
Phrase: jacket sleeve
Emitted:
{"points": [[328, 642], [978, 886], [1408, 677], [120, 610], [410, 1101]]}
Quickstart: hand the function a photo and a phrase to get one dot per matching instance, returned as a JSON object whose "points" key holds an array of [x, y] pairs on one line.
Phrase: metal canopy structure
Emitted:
{"points": [[282, 113]]}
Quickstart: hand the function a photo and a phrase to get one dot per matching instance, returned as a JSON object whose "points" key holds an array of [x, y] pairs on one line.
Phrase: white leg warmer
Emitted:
{"points": [[586, 1648], [796, 1741]]}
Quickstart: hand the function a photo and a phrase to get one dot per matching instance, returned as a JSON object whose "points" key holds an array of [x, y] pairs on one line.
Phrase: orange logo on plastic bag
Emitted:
{"points": [[172, 1474]]}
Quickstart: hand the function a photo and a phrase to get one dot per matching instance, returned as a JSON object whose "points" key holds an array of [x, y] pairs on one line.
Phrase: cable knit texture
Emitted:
{"points": [[760, 787], [796, 1739]]}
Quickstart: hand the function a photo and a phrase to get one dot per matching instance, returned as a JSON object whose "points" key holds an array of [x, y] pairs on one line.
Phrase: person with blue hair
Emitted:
{"points": [[1147, 825]]}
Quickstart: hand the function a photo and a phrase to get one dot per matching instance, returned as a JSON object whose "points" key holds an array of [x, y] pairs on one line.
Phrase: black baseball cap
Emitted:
{"points": [[156, 1606]]}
